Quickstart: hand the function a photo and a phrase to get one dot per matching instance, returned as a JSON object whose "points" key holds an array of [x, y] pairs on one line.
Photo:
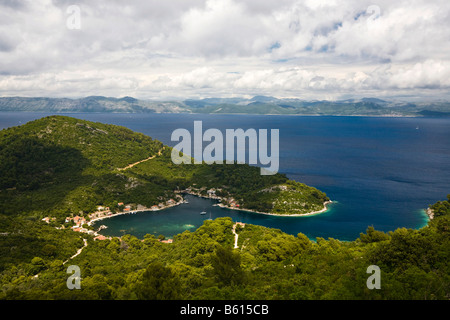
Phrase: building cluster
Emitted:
{"points": [[104, 212], [78, 226], [202, 192], [78, 221], [168, 203], [233, 204]]}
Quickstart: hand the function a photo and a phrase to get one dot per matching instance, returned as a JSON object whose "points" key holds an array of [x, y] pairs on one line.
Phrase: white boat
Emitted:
{"points": [[203, 212]]}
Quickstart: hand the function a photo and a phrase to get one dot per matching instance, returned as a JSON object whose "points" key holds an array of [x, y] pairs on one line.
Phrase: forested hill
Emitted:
{"points": [[60, 166]]}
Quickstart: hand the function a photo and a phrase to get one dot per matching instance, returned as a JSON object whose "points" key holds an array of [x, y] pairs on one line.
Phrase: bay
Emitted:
{"points": [[380, 172]]}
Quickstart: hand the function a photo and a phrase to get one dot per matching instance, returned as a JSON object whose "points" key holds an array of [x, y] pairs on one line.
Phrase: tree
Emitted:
{"points": [[96, 287], [49, 250], [303, 241], [149, 240], [158, 283], [37, 265], [227, 266], [373, 235]]}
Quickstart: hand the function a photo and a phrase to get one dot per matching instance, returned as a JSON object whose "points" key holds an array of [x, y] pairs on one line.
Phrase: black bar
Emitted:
{"points": [[221, 309]]}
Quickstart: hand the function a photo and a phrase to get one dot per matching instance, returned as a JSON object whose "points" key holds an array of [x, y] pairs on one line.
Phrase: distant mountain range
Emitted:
{"points": [[255, 105]]}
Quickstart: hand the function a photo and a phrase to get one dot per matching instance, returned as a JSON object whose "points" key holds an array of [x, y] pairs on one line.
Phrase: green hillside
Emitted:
{"points": [[268, 264], [59, 166]]}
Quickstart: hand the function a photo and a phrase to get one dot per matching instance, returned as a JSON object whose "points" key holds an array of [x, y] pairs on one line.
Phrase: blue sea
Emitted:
{"points": [[379, 171]]}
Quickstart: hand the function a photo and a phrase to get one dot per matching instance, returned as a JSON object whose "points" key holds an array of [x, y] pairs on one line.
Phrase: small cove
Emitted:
{"points": [[186, 216]]}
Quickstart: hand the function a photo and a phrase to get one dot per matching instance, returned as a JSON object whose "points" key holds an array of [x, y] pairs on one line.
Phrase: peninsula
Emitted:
{"points": [[61, 166]]}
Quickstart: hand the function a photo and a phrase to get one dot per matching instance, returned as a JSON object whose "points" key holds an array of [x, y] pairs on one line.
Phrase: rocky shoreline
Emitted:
{"points": [[430, 213], [142, 209], [212, 195], [325, 204]]}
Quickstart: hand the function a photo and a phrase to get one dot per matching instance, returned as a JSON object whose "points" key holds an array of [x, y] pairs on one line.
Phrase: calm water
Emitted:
{"points": [[380, 172]]}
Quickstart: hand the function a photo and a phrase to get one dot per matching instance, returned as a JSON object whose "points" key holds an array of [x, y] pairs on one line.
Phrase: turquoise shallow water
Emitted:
{"points": [[380, 172]]}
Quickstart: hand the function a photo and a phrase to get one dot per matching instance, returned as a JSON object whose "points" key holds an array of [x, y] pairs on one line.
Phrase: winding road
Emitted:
{"points": [[236, 236], [136, 163], [78, 252]]}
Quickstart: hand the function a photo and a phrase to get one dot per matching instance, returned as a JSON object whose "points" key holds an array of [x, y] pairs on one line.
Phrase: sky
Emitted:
{"points": [[179, 49]]}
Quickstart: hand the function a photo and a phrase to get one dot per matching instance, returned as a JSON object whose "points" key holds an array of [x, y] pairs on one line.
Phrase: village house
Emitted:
{"points": [[77, 220], [48, 219], [101, 237]]}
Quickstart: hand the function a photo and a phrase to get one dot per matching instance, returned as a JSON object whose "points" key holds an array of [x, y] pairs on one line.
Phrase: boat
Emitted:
{"points": [[210, 216], [203, 212]]}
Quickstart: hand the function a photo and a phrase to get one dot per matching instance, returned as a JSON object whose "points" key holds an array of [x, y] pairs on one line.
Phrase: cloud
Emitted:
{"points": [[184, 48], [428, 74], [397, 34]]}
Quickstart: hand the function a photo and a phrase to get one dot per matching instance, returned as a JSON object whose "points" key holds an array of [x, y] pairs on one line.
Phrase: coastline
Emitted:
{"points": [[325, 207], [145, 209], [430, 213], [312, 213]]}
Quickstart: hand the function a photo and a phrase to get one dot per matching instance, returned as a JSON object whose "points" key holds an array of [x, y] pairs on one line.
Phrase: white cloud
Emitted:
{"points": [[428, 74], [184, 48]]}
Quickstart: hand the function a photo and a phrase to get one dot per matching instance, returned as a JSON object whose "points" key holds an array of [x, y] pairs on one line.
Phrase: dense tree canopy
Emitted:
{"points": [[268, 264]]}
